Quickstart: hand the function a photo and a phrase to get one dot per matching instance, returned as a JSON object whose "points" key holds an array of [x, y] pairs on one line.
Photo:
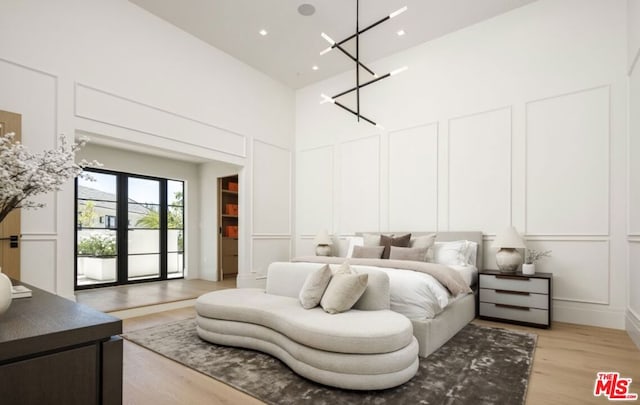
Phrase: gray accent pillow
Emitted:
{"points": [[343, 292], [314, 286], [424, 242], [406, 253], [367, 252], [388, 241]]}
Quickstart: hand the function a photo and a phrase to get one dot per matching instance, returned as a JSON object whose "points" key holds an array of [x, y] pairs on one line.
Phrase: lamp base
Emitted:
{"points": [[508, 260], [323, 250]]}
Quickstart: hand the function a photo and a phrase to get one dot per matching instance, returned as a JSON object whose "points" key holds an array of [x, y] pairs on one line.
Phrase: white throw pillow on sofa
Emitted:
{"points": [[314, 287]]}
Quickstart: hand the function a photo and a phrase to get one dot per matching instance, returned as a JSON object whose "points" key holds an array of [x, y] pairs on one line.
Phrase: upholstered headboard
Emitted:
{"points": [[449, 236]]}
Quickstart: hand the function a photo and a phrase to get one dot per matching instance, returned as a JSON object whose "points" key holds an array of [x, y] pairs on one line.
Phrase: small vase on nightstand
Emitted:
{"points": [[529, 268], [5, 292]]}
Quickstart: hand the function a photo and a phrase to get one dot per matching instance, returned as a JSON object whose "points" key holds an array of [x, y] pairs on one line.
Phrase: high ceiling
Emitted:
{"points": [[293, 43]]}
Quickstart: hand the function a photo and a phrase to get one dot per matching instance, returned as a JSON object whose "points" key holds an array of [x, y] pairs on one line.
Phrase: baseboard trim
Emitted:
{"points": [[152, 309], [604, 318], [632, 325]]}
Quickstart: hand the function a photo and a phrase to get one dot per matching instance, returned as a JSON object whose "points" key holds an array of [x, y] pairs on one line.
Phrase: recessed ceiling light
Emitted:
{"points": [[306, 9], [263, 32], [314, 67], [401, 33]]}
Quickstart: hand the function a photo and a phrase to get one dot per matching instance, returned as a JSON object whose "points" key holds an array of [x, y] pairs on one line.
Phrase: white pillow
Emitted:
{"points": [[472, 253], [314, 286], [353, 242], [451, 253]]}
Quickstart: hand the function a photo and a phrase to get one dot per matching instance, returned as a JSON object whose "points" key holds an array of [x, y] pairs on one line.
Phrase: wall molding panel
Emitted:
{"points": [[556, 185], [573, 260], [479, 148], [272, 186], [269, 250], [109, 108], [23, 84], [315, 190], [359, 185], [412, 161]]}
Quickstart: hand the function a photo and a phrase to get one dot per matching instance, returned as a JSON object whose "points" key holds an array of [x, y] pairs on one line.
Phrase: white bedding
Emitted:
{"points": [[418, 295], [469, 273], [415, 295]]}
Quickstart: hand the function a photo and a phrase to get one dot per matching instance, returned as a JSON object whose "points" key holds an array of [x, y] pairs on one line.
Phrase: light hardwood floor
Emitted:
{"points": [[111, 299], [566, 360]]}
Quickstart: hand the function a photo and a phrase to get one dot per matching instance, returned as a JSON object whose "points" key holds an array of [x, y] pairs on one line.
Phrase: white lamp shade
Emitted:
{"points": [[323, 238], [509, 238]]}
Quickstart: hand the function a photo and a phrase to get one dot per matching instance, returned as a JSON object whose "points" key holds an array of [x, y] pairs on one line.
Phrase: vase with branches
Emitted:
{"points": [[531, 258], [24, 175]]}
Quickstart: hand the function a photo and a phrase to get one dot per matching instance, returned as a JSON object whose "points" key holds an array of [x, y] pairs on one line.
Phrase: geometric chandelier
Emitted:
{"points": [[359, 65]]}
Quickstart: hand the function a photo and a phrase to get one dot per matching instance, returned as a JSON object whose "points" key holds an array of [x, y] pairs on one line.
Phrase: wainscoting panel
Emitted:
{"points": [[634, 275], [413, 178], [20, 85], [269, 250], [359, 206], [271, 189], [580, 269], [567, 193], [314, 190], [634, 153], [480, 171], [102, 106], [38, 260]]}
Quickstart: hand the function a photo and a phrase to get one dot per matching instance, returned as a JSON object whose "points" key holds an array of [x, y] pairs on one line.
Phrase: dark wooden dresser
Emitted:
{"points": [[54, 351]]}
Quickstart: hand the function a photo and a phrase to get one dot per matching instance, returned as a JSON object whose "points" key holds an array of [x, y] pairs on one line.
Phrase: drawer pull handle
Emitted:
{"points": [[513, 278], [512, 307], [512, 292]]}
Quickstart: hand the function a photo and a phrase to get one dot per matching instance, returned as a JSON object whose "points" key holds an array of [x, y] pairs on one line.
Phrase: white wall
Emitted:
{"points": [[633, 227], [110, 68], [519, 120]]}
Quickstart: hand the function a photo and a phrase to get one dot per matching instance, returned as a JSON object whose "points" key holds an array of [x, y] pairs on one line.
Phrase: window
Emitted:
{"points": [[130, 228]]}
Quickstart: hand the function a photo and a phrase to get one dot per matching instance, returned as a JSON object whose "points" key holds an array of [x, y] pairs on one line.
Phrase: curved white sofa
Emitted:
{"points": [[368, 347]]}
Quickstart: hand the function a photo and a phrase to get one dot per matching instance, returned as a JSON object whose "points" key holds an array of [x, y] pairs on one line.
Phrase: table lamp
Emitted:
{"points": [[508, 258]]}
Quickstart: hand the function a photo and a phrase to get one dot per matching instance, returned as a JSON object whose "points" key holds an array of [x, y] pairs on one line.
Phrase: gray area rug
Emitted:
{"points": [[480, 365]]}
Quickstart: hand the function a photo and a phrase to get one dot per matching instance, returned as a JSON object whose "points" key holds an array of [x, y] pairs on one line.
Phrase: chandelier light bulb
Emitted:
{"points": [[398, 12], [398, 71], [328, 38]]}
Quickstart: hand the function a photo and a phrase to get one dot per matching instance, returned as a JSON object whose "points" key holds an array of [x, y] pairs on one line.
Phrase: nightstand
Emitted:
{"points": [[515, 298]]}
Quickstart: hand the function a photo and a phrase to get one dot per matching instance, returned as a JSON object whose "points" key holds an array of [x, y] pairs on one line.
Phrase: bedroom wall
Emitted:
{"points": [[633, 227], [518, 120], [109, 68]]}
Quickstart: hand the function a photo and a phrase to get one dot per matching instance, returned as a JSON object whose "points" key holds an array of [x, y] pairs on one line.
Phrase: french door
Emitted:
{"points": [[129, 229]]}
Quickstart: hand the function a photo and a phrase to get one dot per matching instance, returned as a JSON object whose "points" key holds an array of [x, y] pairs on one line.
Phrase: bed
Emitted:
{"points": [[434, 330]]}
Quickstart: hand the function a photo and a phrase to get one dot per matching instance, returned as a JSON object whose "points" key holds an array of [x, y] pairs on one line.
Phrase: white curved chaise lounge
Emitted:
{"points": [[368, 347]]}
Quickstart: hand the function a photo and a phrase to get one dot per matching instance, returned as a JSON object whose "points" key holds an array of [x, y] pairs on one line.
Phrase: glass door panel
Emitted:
{"points": [[143, 236], [175, 229], [96, 230]]}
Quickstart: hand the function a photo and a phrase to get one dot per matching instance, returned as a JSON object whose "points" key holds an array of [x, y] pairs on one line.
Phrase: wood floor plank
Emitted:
{"points": [[111, 299]]}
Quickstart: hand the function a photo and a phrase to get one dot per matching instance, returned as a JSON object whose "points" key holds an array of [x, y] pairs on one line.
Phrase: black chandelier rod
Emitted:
{"points": [[362, 85], [375, 24], [355, 59], [358, 58], [339, 104]]}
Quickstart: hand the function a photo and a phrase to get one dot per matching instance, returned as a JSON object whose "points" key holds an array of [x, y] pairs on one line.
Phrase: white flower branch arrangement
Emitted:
{"points": [[24, 174], [534, 256]]}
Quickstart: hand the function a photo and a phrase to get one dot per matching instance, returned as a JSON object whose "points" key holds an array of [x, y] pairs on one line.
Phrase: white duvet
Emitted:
{"points": [[416, 295]]}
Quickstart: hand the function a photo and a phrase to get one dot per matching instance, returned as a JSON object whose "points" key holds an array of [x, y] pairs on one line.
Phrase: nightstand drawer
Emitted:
{"points": [[514, 283], [521, 299], [529, 315]]}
